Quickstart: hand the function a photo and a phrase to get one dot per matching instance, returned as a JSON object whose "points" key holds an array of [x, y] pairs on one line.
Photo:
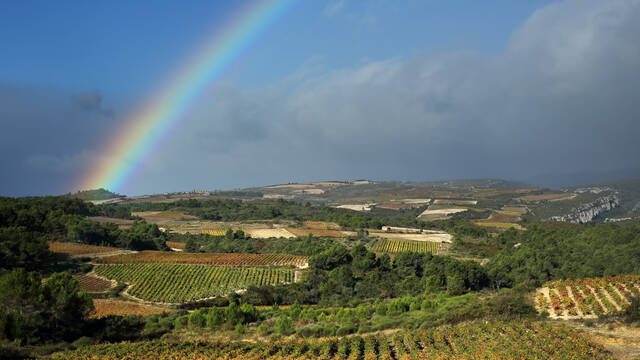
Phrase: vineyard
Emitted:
{"points": [[173, 283], [230, 259], [584, 298], [214, 232], [176, 245], [476, 340], [79, 249], [396, 246], [104, 308], [93, 284]]}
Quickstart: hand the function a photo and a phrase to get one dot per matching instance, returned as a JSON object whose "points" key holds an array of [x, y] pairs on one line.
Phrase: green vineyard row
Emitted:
{"points": [[396, 245], [475, 340], [175, 283]]}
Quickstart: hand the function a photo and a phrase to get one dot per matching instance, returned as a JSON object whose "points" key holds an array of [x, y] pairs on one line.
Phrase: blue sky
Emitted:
{"points": [[387, 90], [125, 48]]}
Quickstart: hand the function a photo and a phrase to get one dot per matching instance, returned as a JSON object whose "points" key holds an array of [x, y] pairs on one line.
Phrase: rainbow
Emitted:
{"points": [[133, 142]]}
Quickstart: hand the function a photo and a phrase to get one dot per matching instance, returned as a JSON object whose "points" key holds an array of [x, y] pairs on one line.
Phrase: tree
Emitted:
{"points": [[34, 311]]}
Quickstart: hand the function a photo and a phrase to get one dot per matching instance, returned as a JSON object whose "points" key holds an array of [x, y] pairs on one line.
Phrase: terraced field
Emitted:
{"points": [[174, 283], [587, 298], [222, 259], [473, 340]]}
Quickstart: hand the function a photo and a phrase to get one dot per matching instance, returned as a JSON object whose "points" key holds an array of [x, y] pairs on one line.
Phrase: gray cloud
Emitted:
{"points": [[559, 98]]}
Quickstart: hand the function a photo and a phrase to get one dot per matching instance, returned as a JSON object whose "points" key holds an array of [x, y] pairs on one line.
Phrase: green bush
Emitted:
{"points": [[263, 329], [181, 322], [196, 319], [284, 325], [381, 308], [215, 318], [346, 329]]}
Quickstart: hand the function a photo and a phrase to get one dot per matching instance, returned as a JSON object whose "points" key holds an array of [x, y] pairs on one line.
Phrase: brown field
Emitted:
{"points": [[548, 197], [269, 233], [498, 225], [122, 308], [176, 245], [164, 215], [394, 205], [324, 225], [93, 284], [79, 249], [223, 259], [455, 202], [515, 209], [309, 191], [315, 232]]}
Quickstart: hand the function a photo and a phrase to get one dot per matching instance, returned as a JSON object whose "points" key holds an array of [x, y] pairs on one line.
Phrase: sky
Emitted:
{"points": [[537, 91]]}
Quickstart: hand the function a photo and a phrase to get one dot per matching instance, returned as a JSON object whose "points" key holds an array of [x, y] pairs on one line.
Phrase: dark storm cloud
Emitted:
{"points": [[45, 142]]}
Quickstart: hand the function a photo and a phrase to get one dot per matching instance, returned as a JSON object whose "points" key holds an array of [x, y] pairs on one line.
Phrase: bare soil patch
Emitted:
{"points": [[356, 207]]}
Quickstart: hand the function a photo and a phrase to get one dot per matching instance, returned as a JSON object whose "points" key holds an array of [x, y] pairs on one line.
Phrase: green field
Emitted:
{"points": [[396, 246], [174, 283]]}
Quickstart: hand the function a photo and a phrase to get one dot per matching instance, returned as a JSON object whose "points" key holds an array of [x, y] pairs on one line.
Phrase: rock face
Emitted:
{"points": [[588, 212]]}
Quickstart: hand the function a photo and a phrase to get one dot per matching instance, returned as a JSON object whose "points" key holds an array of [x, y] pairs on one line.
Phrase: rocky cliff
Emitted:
{"points": [[589, 211]]}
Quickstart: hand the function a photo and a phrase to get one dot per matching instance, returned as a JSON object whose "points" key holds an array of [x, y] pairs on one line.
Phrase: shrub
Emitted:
{"points": [[263, 329], [181, 322], [284, 325], [381, 308], [196, 319], [215, 318]]}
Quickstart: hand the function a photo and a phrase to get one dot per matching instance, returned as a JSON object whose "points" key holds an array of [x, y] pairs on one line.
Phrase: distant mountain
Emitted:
{"points": [[480, 183], [561, 180], [96, 194]]}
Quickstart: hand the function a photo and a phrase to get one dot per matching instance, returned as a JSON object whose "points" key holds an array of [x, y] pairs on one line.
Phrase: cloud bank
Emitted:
{"points": [[560, 98]]}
